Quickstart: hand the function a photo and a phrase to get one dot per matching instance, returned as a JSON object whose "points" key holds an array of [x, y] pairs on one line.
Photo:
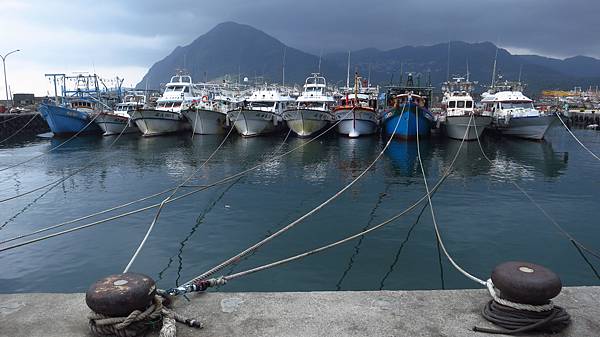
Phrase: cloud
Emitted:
{"points": [[129, 36]]}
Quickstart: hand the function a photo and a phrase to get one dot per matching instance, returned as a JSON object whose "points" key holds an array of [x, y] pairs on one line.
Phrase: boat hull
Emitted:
{"points": [[63, 121], [533, 128], [252, 123], [357, 122], [456, 126], [306, 122], [112, 124], [206, 122], [158, 122], [402, 123]]}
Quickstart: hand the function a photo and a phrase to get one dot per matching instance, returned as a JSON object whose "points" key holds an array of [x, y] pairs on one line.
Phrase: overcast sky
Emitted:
{"points": [[118, 37]]}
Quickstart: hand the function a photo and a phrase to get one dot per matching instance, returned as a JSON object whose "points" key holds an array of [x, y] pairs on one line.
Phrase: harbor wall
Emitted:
{"points": [[14, 122], [344, 313]]}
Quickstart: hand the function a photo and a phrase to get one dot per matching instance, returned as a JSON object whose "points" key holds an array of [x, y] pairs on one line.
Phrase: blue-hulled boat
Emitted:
{"points": [[74, 111], [406, 104], [69, 118]]}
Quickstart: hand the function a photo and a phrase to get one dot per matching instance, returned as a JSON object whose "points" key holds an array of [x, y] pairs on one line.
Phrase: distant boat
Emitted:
{"points": [[261, 113], [458, 107], [356, 112], [312, 112], [73, 111], [166, 117], [406, 104], [112, 123], [514, 114]]}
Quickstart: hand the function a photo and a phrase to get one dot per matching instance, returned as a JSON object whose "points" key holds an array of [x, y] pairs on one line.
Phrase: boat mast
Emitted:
{"points": [[283, 70], [448, 64], [320, 55], [468, 70], [348, 72], [494, 70]]}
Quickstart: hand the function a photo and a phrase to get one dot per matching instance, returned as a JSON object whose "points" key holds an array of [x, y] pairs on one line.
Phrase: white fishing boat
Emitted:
{"points": [[514, 114], [312, 112], [457, 108], [112, 123], [357, 111], [261, 113], [166, 117], [208, 116]]}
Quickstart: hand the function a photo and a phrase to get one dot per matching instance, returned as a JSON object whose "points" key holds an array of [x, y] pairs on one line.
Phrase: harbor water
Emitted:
{"points": [[483, 218]]}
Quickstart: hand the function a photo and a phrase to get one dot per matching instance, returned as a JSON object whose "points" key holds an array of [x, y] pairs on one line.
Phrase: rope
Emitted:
{"points": [[538, 206], [162, 204], [300, 219], [202, 188], [10, 119], [54, 148], [57, 182], [139, 322], [518, 317], [194, 285], [17, 132], [435, 225], [575, 137]]}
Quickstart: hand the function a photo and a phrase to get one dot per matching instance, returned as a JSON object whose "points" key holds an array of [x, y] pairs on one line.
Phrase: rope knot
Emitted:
{"points": [[137, 323]]}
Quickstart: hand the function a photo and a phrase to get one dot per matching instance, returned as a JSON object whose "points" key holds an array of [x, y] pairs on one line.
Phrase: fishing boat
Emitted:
{"points": [[356, 113], [261, 113], [75, 109], [312, 112], [513, 113], [404, 105], [208, 116], [459, 116], [118, 121], [166, 117]]}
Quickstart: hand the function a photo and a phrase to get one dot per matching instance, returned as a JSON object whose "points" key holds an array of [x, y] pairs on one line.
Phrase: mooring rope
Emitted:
{"points": [[575, 137], [200, 189], [200, 285], [58, 181], [18, 131], [435, 225], [163, 203], [10, 119], [53, 148], [539, 207], [138, 322], [298, 220]]}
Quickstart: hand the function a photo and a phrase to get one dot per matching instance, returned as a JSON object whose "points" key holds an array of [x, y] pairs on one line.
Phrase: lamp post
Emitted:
{"points": [[4, 65]]}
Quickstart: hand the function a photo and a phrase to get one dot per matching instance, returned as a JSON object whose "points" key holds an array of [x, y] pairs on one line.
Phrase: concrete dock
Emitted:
{"points": [[369, 313], [11, 123]]}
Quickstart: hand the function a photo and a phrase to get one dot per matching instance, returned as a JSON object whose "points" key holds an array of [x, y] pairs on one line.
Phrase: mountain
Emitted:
{"points": [[231, 49]]}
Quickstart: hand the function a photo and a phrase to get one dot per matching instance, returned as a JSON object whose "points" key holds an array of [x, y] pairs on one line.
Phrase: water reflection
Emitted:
{"points": [[524, 159], [403, 156]]}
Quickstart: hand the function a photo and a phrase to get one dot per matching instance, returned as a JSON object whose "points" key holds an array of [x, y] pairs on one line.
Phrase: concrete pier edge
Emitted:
{"points": [[345, 313]]}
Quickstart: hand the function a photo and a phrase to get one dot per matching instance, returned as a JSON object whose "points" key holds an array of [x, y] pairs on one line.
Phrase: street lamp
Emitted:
{"points": [[4, 65]]}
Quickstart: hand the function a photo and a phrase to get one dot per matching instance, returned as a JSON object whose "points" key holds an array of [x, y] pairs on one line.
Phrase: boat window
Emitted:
{"points": [[460, 104], [263, 104], [187, 89], [176, 104], [517, 105], [469, 104], [452, 104]]}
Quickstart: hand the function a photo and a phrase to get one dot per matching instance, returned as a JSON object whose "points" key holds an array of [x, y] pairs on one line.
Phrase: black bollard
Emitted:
{"points": [[526, 283], [120, 294]]}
